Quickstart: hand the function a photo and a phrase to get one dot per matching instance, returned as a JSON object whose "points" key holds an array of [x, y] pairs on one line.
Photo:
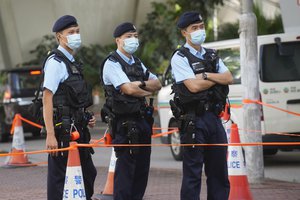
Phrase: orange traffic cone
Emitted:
{"points": [[239, 186], [108, 191], [74, 185], [18, 146]]}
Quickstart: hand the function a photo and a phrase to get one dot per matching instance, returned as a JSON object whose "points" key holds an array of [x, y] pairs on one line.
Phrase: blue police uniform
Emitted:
{"points": [[132, 169], [55, 72], [208, 130]]}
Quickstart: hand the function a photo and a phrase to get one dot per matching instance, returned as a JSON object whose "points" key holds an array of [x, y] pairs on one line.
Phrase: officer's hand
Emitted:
{"points": [[51, 143], [137, 83], [92, 122], [199, 76]]}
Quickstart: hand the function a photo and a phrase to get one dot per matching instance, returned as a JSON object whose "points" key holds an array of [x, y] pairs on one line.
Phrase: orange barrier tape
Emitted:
{"points": [[248, 101], [156, 145], [165, 133], [101, 140], [31, 123], [271, 133], [236, 106], [36, 152], [168, 145], [23, 119]]}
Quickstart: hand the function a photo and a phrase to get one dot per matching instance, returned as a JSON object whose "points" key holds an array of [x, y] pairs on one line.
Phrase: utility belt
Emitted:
{"points": [[198, 108], [109, 117], [195, 108], [71, 125], [186, 114]]}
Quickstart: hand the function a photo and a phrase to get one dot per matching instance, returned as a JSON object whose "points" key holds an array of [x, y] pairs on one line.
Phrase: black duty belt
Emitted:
{"points": [[199, 108]]}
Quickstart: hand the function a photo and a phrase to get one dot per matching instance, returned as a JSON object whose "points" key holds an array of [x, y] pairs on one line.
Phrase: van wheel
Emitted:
{"points": [[270, 152], [4, 135], [174, 138]]}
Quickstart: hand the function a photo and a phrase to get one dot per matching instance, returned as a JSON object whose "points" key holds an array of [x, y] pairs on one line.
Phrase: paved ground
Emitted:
{"points": [[30, 183]]}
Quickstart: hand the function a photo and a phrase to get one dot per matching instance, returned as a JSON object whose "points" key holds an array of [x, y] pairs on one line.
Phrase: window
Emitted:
{"points": [[231, 58], [25, 81], [280, 62]]}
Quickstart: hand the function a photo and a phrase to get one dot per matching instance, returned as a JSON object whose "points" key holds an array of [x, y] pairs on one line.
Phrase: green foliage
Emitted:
{"points": [[264, 26], [160, 36], [47, 43], [267, 26], [228, 31], [92, 56]]}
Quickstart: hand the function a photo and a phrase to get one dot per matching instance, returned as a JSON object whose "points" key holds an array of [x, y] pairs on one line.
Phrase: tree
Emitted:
{"points": [[91, 56], [159, 35], [264, 26]]}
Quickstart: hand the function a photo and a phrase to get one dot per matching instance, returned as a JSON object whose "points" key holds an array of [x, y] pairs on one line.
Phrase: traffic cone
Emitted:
{"points": [[227, 127], [108, 191], [74, 185], [239, 186], [18, 146]]}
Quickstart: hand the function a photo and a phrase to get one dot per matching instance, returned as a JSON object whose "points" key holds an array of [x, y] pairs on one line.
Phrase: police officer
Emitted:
{"points": [[201, 86], [65, 97], [127, 82]]}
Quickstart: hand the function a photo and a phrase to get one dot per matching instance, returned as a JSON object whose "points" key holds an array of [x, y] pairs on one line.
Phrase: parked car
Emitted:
{"points": [[279, 85], [17, 87]]}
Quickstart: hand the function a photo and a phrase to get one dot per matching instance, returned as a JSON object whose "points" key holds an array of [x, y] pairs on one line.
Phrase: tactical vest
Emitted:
{"points": [[74, 92], [122, 104], [208, 64]]}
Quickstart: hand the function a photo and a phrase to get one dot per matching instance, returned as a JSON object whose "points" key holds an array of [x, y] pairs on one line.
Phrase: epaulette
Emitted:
{"points": [[57, 59], [180, 53], [113, 59], [210, 50]]}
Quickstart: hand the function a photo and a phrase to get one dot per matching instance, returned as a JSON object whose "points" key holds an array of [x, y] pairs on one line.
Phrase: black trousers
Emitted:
{"points": [[132, 170], [57, 172], [209, 130]]}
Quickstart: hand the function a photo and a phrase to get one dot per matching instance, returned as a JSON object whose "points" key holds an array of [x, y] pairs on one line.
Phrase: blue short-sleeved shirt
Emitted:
{"points": [[55, 71], [114, 75], [181, 69]]}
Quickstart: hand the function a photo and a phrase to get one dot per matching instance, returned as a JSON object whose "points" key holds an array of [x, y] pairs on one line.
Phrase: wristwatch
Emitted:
{"points": [[204, 76]]}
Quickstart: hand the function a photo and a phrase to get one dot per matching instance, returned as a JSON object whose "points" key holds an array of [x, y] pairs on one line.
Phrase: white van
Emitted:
{"points": [[279, 85]]}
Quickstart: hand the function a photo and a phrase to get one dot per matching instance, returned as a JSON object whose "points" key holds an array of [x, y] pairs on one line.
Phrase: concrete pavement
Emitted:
{"points": [[30, 183]]}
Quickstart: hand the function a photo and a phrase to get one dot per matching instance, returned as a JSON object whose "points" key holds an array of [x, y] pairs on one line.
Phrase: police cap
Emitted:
{"points": [[64, 22], [188, 18], [124, 28]]}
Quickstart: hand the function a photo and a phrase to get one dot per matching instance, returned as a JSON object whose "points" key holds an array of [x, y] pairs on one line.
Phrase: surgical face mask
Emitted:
{"points": [[198, 37], [131, 45], [74, 41]]}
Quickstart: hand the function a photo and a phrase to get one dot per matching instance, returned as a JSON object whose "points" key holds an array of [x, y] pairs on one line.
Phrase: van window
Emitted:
{"points": [[231, 58], [24, 81], [280, 63]]}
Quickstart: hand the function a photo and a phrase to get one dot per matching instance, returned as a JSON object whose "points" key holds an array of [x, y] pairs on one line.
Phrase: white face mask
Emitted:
{"points": [[198, 37], [74, 41], [131, 45]]}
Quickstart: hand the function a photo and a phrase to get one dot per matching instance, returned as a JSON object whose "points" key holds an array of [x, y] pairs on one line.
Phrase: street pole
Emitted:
{"points": [[251, 112]]}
